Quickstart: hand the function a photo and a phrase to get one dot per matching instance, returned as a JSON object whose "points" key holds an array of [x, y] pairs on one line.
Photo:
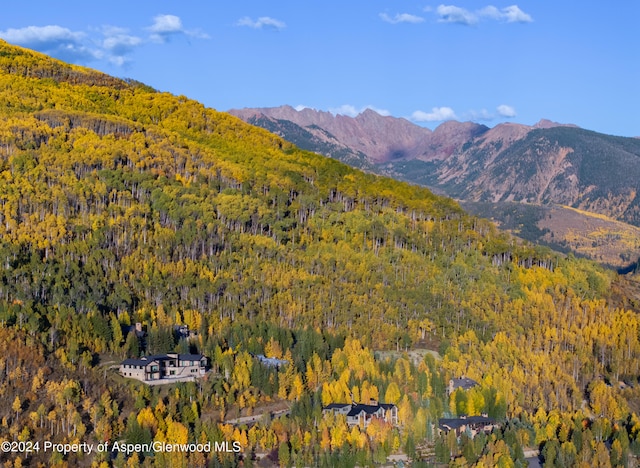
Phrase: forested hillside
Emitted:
{"points": [[538, 167], [120, 204]]}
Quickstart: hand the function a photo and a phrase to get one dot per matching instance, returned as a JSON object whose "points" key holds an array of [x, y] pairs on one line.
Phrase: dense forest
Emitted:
{"points": [[121, 205]]}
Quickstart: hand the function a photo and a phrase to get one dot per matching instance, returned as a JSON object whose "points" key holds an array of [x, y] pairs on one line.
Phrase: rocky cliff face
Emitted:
{"points": [[557, 165]]}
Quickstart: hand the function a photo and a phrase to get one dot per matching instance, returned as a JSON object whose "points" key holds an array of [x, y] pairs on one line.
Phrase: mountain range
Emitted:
{"points": [[544, 164]]}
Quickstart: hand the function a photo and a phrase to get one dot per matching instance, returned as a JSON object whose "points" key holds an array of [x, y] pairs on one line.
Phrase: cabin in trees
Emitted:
{"points": [[271, 362], [472, 425], [463, 382], [359, 414], [164, 367]]}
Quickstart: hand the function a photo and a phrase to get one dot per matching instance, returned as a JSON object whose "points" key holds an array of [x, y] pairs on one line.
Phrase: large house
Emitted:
{"points": [[164, 367], [472, 425], [359, 414]]}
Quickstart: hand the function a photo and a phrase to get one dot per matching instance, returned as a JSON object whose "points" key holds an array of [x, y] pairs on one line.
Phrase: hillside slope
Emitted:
{"points": [[96, 176], [544, 163], [547, 164], [561, 165], [119, 204], [605, 240]]}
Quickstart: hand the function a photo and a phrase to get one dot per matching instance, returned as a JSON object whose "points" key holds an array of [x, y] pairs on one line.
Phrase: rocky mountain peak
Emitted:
{"points": [[381, 138], [545, 123]]}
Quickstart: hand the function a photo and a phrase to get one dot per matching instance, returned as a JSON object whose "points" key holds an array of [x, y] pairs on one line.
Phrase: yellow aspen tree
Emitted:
{"points": [[327, 398], [297, 388], [392, 395], [17, 406], [272, 349], [405, 411], [339, 433]]}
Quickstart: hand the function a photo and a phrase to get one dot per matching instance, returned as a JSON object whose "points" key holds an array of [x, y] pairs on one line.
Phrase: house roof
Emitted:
{"points": [[336, 406], [143, 361], [357, 408], [464, 383], [457, 423], [138, 362], [190, 357]]}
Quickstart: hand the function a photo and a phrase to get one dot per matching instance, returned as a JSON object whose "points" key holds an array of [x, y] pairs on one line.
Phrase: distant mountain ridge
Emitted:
{"points": [[547, 163], [380, 138]]}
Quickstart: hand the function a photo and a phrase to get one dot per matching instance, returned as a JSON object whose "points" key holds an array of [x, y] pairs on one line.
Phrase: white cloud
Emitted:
{"points": [[513, 14], [490, 12], [352, 111], [121, 44], [53, 40], [166, 26], [40, 35], [506, 111], [458, 15], [261, 23], [437, 114], [454, 14], [401, 18], [510, 14], [115, 46]]}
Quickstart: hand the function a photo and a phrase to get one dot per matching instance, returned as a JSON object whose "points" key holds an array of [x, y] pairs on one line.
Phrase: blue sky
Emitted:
{"points": [[486, 61]]}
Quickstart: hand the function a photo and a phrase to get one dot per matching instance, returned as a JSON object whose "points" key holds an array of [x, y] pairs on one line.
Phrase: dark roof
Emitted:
{"points": [[336, 406], [357, 408], [190, 357], [138, 362], [369, 409], [180, 357], [457, 423], [143, 361], [464, 383]]}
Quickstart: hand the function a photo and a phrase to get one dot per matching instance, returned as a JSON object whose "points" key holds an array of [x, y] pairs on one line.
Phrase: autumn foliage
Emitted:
{"points": [[119, 204]]}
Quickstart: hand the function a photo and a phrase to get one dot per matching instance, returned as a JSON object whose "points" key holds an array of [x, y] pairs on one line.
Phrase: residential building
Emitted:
{"points": [[271, 362], [164, 367], [359, 414], [463, 382], [472, 425]]}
